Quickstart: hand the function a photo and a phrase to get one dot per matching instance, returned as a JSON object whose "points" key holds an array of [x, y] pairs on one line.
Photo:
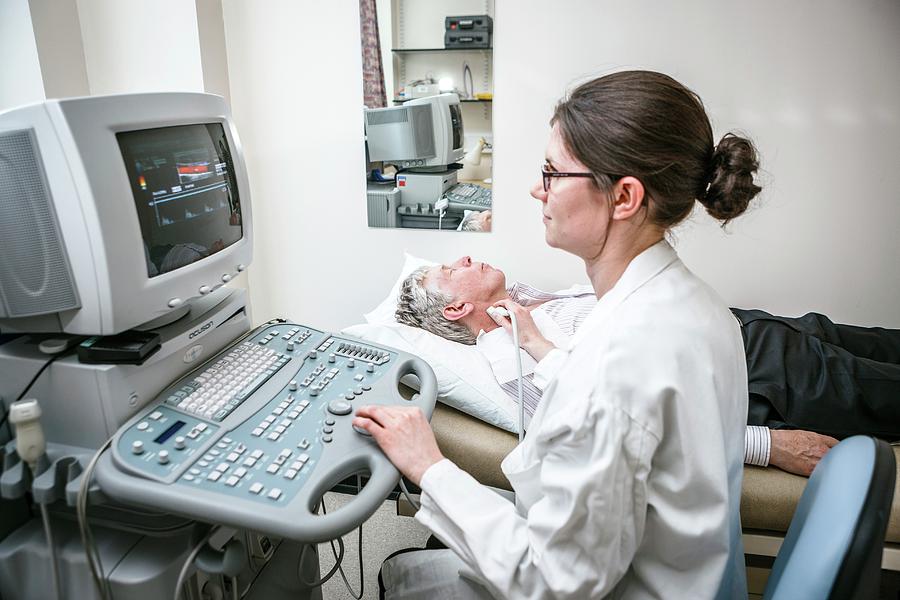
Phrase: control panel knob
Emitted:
{"points": [[361, 431], [351, 363], [175, 302], [204, 290], [290, 346], [313, 354], [226, 278], [313, 391], [137, 447], [332, 357], [163, 457], [339, 407], [293, 385], [179, 443], [370, 368], [240, 268]]}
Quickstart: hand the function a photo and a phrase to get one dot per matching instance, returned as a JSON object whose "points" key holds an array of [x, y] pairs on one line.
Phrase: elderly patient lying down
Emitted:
{"points": [[807, 376]]}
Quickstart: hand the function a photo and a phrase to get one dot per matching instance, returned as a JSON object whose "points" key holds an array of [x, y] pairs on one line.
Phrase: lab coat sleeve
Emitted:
{"points": [[548, 367], [578, 540]]}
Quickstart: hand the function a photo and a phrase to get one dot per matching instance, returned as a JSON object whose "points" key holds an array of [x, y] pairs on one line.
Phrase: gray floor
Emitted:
{"points": [[383, 534]]}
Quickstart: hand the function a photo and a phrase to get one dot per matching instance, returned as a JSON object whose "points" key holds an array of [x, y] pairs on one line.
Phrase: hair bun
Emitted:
{"points": [[731, 185]]}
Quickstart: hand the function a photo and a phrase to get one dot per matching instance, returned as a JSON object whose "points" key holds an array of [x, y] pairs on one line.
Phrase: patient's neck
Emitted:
{"points": [[478, 320]]}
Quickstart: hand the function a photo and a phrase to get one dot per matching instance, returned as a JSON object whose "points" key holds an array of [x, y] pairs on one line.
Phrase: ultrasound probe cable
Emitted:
{"points": [[497, 313]]}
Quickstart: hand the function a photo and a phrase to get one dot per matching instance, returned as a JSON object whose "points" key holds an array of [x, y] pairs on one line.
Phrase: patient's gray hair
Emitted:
{"points": [[421, 307]]}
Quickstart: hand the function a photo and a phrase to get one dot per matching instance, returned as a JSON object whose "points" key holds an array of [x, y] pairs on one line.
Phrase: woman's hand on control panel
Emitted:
{"points": [[404, 435]]}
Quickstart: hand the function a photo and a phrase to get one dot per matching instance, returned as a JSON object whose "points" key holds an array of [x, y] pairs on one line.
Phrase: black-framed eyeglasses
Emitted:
{"points": [[547, 176]]}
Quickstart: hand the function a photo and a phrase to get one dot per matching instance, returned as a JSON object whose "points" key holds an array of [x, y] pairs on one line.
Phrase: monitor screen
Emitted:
{"points": [[185, 192], [456, 123]]}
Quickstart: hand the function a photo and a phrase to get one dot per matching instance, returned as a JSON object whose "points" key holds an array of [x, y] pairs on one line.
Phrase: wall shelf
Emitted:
{"points": [[464, 100], [425, 50]]}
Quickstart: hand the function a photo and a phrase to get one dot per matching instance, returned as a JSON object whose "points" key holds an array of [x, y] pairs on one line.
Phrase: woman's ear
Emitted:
{"points": [[457, 310], [628, 194]]}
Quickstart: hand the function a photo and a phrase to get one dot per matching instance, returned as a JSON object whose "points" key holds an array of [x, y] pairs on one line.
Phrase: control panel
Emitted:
{"points": [[256, 435], [468, 196]]}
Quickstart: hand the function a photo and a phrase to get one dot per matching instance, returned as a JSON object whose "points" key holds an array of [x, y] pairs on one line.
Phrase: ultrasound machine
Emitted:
{"points": [[159, 445]]}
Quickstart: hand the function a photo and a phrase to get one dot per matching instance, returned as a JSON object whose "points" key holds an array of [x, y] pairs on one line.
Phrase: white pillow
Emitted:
{"points": [[465, 380], [464, 376], [384, 313]]}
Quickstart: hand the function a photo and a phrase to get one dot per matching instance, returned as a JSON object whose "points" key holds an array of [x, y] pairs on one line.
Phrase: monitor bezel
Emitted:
{"points": [[127, 295]]}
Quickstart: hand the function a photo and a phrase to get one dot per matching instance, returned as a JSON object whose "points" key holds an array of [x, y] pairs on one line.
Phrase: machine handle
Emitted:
{"points": [[382, 479], [427, 383], [383, 476]]}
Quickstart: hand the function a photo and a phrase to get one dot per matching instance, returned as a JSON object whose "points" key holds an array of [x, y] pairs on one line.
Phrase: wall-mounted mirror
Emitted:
{"points": [[428, 93]]}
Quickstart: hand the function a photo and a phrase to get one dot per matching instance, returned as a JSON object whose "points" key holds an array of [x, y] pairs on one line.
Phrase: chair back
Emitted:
{"points": [[834, 545]]}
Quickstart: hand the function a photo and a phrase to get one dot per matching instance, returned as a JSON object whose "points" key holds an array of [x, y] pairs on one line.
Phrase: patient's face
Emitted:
{"points": [[468, 281]]}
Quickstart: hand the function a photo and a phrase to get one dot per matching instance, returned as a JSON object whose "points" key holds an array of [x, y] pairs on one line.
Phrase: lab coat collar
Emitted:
{"points": [[642, 268]]}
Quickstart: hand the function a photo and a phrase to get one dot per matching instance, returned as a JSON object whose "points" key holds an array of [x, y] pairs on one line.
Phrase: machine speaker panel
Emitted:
{"points": [[35, 277]]}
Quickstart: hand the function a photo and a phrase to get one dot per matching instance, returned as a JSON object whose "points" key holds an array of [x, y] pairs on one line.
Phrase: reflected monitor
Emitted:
{"points": [[424, 134]]}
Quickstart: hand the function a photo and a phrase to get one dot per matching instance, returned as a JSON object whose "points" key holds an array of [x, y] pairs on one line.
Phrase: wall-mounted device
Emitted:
{"points": [[468, 32]]}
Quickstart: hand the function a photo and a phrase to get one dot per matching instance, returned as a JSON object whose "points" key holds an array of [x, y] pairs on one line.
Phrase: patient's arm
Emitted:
{"points": [[797, 451], [530, 338]]}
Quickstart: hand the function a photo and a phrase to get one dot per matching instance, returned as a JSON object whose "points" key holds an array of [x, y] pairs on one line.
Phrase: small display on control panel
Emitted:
{"points": [[172, 430]]}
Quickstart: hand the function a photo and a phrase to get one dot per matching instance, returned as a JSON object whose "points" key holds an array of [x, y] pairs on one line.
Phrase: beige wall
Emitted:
{"points": [[57, 30], [814, 83], [20, 73]]}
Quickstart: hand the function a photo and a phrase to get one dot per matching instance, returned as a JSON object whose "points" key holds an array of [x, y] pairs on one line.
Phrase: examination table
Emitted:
{"points": [[769, 496]]}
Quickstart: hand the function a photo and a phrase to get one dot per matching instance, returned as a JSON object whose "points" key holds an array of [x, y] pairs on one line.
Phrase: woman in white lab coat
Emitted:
{"points": [[628, 482]]}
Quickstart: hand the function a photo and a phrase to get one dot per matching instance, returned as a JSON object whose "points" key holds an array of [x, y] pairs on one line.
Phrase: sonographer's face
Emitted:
{"points": [[575, 212], [467, 280]]}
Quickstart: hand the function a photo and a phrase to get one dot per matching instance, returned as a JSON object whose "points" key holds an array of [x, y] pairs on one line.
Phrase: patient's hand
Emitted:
{"points": [[404, 435], [797, 451], [530, 338]]}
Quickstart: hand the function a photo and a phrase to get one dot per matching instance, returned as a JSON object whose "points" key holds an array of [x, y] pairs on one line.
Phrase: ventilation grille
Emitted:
{"points": [[423, 131], [383, 117], [35, 278]]}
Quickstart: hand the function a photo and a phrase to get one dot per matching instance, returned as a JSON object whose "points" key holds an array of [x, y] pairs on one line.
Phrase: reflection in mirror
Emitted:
{"points": [[428, 92]]}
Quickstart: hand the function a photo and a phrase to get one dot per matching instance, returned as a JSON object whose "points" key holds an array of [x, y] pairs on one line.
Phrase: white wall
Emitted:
{"points": [[213, 53], [813, 82], [20, 73], [141, 46]]}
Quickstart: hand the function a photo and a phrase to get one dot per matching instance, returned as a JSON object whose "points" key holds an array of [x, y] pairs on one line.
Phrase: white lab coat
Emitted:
{"points": [[628, 482]]}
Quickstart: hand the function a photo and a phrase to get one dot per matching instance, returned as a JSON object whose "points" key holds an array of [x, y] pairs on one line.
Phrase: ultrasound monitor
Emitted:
{"points": [[422, 134], [116, 211]]}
